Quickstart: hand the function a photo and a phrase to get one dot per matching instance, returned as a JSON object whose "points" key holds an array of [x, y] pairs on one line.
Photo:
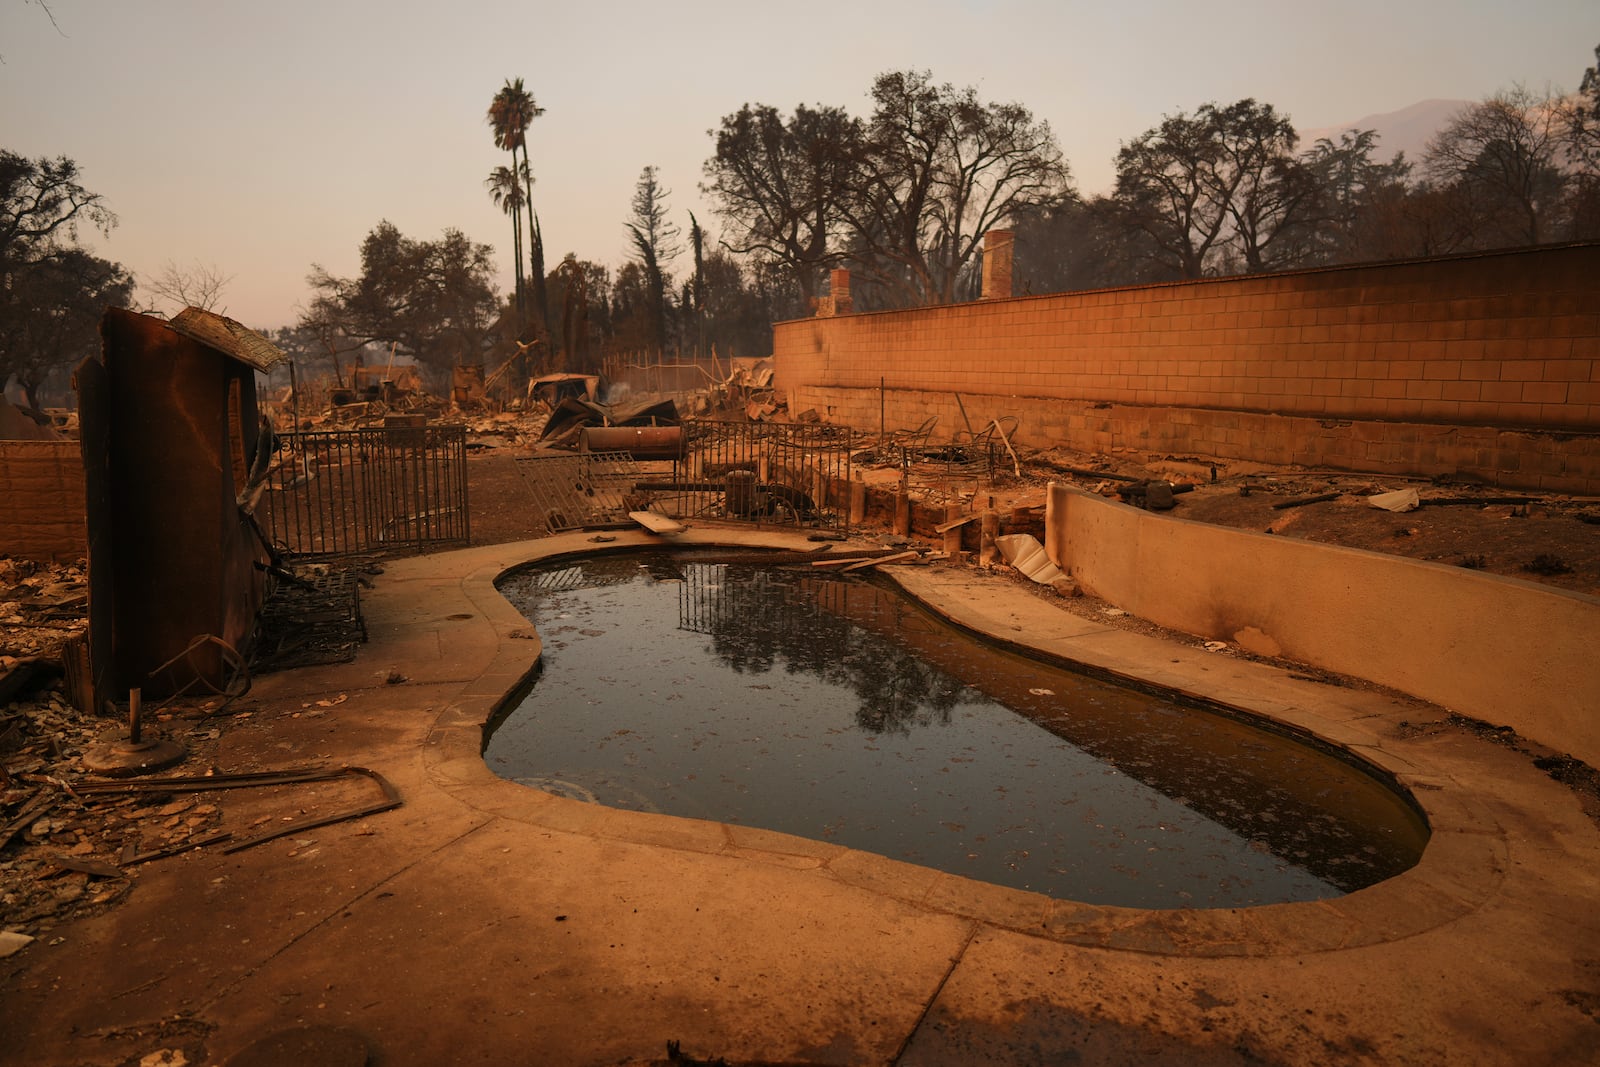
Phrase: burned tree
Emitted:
{"points": [[1505, 160], [199, 285], [939, 169], [780, 186]]}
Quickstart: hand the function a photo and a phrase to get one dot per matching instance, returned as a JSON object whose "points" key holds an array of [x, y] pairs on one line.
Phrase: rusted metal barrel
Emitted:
{"points": [[640, 442]]}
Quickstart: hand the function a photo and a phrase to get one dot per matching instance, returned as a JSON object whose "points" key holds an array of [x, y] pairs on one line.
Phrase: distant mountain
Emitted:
{"points": [[1406, 130]]}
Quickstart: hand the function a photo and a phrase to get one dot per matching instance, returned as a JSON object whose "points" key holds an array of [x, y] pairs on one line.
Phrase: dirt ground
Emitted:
{"points": [[1550, 539]]}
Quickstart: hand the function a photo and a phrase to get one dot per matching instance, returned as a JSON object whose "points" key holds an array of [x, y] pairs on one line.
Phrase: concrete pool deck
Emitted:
{"points": [[484, 922]]}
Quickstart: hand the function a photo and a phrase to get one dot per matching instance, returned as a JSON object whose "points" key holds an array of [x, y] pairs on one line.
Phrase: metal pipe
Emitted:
{"points": [[641, 442]]}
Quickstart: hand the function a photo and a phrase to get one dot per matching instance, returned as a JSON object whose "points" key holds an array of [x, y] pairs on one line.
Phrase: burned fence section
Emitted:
{"points": [[378, 489], [582, 490], [770, 474]]}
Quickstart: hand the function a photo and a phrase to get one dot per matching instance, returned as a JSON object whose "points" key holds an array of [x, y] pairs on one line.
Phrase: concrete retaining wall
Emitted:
{"points": [[1508, 652], [1486, 364]]}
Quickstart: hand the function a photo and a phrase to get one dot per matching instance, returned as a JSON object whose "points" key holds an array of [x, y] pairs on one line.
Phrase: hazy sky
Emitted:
{"points": [[262, 136]]}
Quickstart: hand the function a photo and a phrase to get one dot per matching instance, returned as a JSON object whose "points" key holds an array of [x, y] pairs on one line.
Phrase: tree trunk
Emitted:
{"points": [[338, 372], [30, 391], [516, 245], [805, 275]]}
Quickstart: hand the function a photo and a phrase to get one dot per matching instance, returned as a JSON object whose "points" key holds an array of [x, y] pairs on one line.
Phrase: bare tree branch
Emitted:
{"points": [[200, 285]]}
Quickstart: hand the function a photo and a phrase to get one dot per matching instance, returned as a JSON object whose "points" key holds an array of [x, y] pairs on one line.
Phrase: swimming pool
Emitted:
{"points": [[837, 709]]}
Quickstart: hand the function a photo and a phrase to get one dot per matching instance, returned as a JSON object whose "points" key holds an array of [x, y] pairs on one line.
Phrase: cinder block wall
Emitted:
{"points": [[41, 501], [1485, 364]]}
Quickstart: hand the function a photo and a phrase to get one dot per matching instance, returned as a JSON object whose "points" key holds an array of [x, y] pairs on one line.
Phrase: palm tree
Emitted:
{"points": [[510, 114], [507, 193]]}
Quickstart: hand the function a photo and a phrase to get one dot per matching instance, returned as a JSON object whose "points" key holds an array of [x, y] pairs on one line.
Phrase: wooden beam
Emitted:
{"points": [[896, 558]]}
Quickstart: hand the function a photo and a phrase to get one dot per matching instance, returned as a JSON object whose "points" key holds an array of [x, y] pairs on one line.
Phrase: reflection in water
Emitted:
{"points": [[834, 708], [761, 620]]}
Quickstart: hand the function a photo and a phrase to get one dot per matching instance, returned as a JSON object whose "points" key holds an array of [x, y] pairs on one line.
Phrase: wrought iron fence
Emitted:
{"points": [[770, 474], [378, 489]]}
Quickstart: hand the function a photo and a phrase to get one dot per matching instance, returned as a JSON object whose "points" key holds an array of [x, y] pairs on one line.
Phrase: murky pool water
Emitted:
{"points": [[836, 709]]}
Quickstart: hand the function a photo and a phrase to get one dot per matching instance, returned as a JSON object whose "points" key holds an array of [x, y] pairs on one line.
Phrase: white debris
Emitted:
{"points": [[1399, 500], [11, 942]]}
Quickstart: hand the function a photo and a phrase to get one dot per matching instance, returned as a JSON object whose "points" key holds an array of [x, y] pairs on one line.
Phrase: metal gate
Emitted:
{"points": [[377, 489]]}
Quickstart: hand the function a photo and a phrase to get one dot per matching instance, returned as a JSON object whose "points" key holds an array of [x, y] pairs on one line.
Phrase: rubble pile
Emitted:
{"points": [[59, 849], [372, 412], [516, 426], [537, 418], [42, 606], [505, 429]]}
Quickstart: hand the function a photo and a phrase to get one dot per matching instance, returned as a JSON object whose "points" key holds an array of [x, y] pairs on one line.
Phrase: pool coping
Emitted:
{"points": [[1463, 866]]}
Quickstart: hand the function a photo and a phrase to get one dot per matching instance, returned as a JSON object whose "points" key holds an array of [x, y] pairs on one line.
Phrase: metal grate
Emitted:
{"points": [[313, 619], [583, 490], [348, 492]]}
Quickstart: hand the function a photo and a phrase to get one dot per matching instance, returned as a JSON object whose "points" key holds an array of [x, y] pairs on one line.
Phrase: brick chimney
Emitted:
{"points": [[839, 290], [997, 248], [837, 302]]}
